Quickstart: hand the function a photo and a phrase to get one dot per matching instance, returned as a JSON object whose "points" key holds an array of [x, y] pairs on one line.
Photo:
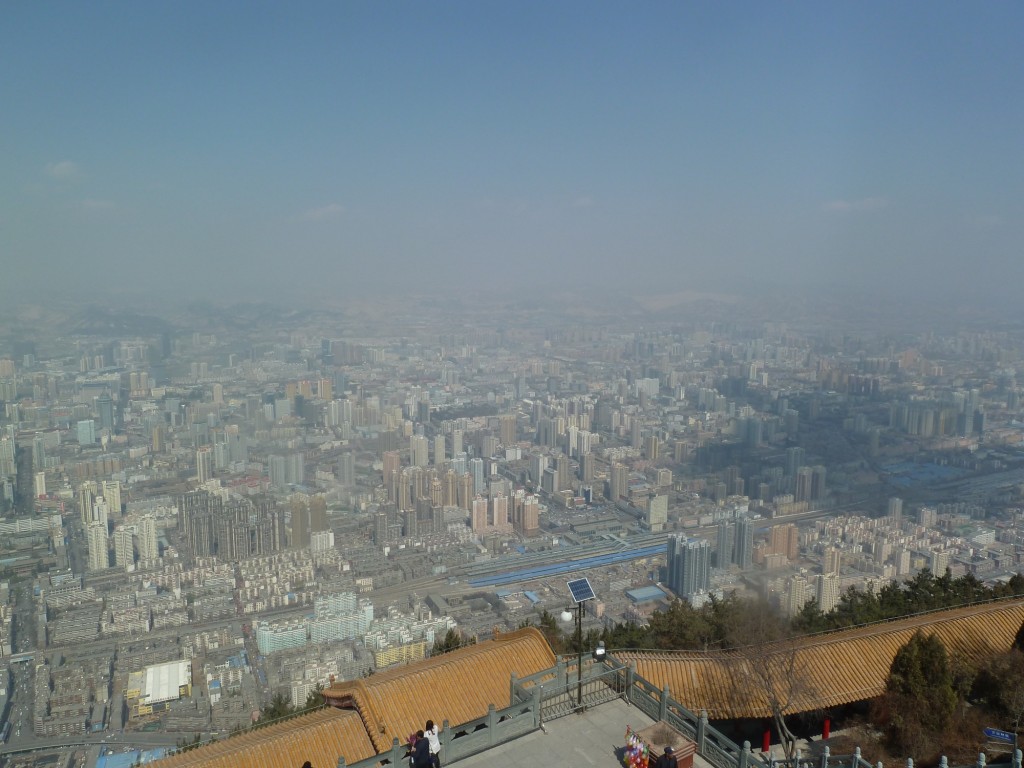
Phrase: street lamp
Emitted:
{"points": [[581, 591]]}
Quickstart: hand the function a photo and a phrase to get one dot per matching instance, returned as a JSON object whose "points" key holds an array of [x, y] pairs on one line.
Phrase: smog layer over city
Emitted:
{"points": [[336, 339]]}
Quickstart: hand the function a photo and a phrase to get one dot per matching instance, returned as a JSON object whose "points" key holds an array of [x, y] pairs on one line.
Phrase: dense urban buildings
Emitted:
{"points": [[316, 497]]}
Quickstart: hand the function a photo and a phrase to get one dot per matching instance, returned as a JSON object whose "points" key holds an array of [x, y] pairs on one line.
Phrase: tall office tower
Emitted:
{"points": [[456, 442], [438, 450], [657, 512], [105, 408], [538, 463], [7, 464], [436, 492], [300, 524], [549, 481], [419, 451], [688, 565], [204, 464], [195, 521], [124, 548], [392, 464], [478, 516], [723, 544], [826, 591], [802, 486], [619, 482], [405, 497], [489, 445], [318, 519], [423, 411], [86, 496], [86, 430], [149, 548], [545, 435], [507, 429], [325, 389], [587, 468], [680, 451], [347, 468], [938, 562], [901, 560], [743, 544], [380, 528], [278, 471], [895, 509], [476, 471], [96, 538], [832, 562], [221, 456], [465, 490], [158, 438], [500, 517], [460, 463], [817, 483], [785, 540], [563, 467], [388, 440], [530, 519], [410, 523], [39, 452], [100, 512], [635, 436], [651, 447], [795, 596], [794, 460], [449, 488]]}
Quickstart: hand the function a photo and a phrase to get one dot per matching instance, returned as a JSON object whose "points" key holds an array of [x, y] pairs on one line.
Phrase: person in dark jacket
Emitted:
{"points": [[667, 759], [421, 752]]}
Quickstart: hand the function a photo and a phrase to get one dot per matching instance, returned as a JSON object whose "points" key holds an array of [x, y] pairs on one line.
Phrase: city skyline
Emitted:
{"points": [[250, 152]]}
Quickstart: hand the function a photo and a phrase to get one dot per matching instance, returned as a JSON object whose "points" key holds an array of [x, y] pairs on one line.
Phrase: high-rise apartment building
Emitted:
{"points": [[478, 515], [826, 591], [419, 451], [149, 548], [723, 540], [785, 541], [96, 538], [657, 512], [86, 431], [832, 561], [743, 544], [204, 464], [688, 565], [124, 548], [895, 509]]}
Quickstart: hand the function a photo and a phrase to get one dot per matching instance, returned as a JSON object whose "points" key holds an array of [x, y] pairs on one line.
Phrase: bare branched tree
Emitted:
{"points": [[767, 673]]}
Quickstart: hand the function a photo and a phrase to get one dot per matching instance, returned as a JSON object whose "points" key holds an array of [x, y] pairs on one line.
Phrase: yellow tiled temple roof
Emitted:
{"points": [[318, 737], [456, 686], [823, 670]]}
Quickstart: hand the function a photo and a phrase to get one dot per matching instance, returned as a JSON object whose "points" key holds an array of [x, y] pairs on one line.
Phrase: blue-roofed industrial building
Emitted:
{"points": [[646, 594]]}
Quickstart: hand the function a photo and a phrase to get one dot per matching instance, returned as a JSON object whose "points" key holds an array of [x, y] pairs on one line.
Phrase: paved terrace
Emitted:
{"points": [[594, 738]]}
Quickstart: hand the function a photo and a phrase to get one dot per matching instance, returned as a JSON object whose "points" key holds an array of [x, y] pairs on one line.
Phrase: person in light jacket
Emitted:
{"points": [[433, 734]]}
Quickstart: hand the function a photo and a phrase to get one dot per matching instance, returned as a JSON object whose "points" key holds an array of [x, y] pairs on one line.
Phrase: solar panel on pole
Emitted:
{"points": [[580, 590]]}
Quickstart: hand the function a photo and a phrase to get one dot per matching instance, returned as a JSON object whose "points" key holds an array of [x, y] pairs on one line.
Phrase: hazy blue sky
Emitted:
{"points": [[239, 149]]}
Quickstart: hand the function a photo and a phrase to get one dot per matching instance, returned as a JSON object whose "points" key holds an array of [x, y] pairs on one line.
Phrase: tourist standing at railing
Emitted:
{"points": [[433, 734], [420, 752]]}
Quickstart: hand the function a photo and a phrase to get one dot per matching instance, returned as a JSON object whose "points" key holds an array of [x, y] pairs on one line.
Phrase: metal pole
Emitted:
{"points": [[579, 658]]}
